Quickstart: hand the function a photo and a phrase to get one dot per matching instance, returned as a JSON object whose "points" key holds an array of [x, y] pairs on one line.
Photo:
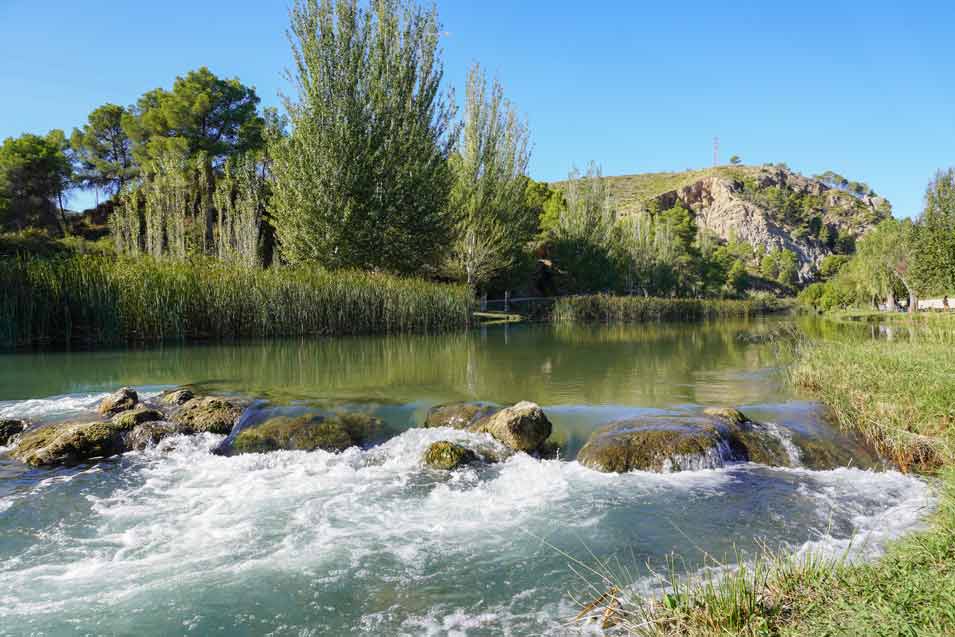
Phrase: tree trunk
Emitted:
{"points": [[913, 303]]}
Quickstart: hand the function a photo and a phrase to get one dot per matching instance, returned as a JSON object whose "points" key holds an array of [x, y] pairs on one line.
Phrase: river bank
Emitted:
{"points": [[899, 396]]}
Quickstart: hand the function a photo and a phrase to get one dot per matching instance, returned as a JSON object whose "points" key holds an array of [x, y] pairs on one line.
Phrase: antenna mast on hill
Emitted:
{"points": [[716, 151]]}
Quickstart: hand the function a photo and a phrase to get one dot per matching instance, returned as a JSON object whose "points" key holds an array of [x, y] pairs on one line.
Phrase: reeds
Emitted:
{"points": [[97, 300], [605, 308]]}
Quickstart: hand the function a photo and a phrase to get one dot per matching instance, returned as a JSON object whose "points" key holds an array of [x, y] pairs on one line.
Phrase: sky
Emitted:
{"points": [[866, 89]]}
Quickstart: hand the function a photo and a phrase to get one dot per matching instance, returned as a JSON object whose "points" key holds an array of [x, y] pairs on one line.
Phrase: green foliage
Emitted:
{"points": [[363, 179], [934, 263], [98, 300], [832, 264], [103, 150], [603, 308], [493, 222], [35, 172], [203, 113]]}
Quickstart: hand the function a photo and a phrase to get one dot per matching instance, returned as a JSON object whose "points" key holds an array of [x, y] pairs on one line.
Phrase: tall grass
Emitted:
{"points": [[605, 308], [98, 300]]}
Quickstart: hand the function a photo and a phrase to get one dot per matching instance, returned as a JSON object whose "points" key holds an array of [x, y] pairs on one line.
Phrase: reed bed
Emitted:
{"points": [[605, 308], [99, 300]]}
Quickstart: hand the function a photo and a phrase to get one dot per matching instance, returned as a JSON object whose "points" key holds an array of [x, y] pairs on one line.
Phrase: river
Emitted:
{"points": [[176, 540]]}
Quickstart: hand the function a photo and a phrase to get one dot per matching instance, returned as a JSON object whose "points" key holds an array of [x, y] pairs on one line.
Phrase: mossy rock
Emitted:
{"points": [[9, 428], [457, 415], [121, 400], [70, 443], [207, 414], [522, 427], [308, 433], [133, 417], [149, 434], [445, 455], [175, 397]]}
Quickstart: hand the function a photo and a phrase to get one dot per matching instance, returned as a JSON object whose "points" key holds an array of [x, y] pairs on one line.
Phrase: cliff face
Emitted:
{"points": [[769, 207]]}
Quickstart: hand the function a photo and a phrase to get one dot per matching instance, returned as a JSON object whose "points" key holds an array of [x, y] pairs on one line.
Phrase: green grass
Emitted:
{"points": [[901, 396], [605, 308], [99, 300]]}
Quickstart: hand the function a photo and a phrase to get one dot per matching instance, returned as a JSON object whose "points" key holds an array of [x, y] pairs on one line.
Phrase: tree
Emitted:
{"points": [[35, 173], [735, 160], [935, 236], [884, 258], [363, 179], [788, 268], [104, 150], [492, 224]]}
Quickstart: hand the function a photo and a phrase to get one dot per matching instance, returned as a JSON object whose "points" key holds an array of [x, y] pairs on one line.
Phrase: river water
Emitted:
{"points": [[175, 540]]}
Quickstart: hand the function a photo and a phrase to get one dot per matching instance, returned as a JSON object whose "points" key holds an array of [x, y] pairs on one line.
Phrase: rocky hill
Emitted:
{"points": [[770, 207]]}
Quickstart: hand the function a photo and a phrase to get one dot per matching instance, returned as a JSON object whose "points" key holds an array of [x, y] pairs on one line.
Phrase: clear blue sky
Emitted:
{"points": [[863, 88]]}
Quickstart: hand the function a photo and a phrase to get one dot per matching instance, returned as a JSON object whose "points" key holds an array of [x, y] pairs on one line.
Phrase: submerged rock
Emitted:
{"points": [[176, 396], [71, 443], [522, 427], [307, 433], [674, 443], [121, 400], [457, 415], [446, 455], [208, 414], [10, 428], [149, 434]]}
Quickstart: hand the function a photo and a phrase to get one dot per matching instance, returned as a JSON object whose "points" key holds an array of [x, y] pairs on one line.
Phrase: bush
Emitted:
{"points": [[604, 308]]}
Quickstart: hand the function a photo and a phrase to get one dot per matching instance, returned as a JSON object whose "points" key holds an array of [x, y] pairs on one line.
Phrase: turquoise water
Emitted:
{"points": [[175, 540]]}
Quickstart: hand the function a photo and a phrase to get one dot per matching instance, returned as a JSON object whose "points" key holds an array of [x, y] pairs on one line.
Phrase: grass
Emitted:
{"points": [[99, 300], [900, 395], [605, 308]]}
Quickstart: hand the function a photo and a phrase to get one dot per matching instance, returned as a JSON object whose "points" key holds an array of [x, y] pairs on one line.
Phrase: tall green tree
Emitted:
{"points": [[35, 174], [884, 259], [363, 179], [103, 150], [493, 223], [935, 236]]}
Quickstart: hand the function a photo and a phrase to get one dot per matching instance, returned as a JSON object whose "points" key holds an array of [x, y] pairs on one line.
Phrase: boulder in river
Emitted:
{"points": [[457, 415], [674, 443], [9, 428], [131, 418], [309, 432], [149, 434], [122, 399], [522, 427], [207, 414], [176, 396], [71, 443], [446, 455]]}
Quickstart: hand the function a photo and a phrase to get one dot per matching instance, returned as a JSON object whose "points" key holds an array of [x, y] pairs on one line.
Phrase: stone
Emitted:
{"points": [[308, 433], [9, 428], [70, 443], [176, 396], [457, 415], [149, 434], [206, 415], [137, 416], [121, 400], [446, 456], [522, 427]]}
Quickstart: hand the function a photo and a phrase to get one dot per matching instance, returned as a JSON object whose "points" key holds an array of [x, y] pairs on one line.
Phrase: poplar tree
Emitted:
{"points": [[492, 221], [363, 179]]}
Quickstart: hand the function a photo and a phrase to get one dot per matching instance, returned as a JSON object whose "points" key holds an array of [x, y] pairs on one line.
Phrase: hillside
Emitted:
{"points": [[769, 206]]}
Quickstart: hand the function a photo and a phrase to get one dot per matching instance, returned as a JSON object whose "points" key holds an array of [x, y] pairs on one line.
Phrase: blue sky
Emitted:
{"points": [[863, 88]]}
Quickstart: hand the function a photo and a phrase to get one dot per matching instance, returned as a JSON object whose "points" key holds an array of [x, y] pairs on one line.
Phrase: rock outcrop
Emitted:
{"points": [[71, 443], [206, 414], [458, 415], [675, 443], [308, 433], [121, 400]]}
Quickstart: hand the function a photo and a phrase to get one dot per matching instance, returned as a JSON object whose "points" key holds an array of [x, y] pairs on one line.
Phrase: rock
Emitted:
{"points": [[447, 455], [149, 434], [307, 433], [133, 417], [208, 414], [120, 400], [10, 428], [522, 427], [176, 396], [71, 443], [457, 415], [674, 443]]}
